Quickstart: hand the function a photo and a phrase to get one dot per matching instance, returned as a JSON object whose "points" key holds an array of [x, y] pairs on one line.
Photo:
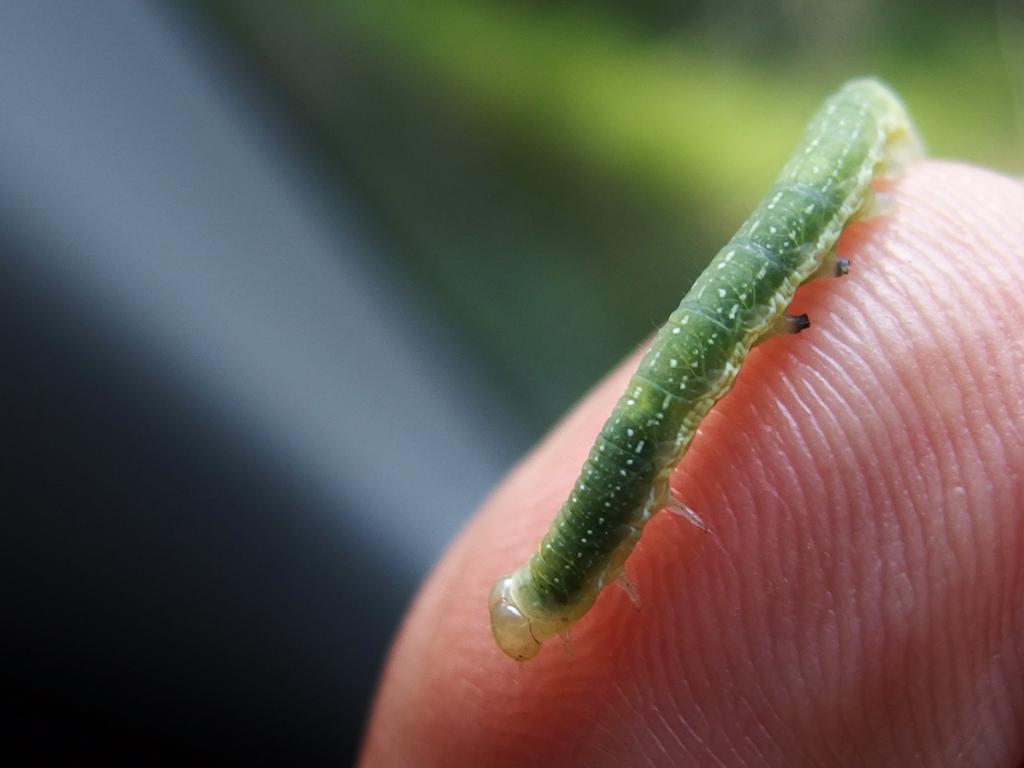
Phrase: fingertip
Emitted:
{"points": [[863, 483]]}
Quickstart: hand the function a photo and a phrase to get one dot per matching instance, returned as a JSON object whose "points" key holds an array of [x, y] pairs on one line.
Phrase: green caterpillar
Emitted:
{"points": [[858, 134]]}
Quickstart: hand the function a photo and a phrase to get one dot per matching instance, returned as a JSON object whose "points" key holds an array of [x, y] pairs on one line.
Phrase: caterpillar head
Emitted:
{"points": [[512, 629]]}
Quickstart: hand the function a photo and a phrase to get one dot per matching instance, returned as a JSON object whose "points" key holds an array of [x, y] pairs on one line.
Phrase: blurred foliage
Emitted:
{"points": [[553, 175]]}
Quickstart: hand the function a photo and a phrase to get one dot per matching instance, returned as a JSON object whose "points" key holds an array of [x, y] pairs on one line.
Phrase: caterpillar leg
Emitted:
{"points": [[676, 507], [785, 325], [876, 203], [629, 588], [831, 266]]}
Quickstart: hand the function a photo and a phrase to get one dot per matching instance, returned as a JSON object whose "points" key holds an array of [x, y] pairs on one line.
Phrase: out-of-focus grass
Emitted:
{"points": [[553, 175], [667, 113]]}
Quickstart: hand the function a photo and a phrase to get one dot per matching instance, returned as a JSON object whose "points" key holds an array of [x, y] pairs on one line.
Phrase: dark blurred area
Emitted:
{"points": [[236, 438], [286, 287]]}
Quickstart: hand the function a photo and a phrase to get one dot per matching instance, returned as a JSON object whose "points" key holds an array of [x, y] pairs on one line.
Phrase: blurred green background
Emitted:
{"points": [[550, 176]]}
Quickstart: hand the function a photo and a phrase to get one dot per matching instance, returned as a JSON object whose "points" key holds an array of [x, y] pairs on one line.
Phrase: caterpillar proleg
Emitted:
{"points": [[858, 134]]}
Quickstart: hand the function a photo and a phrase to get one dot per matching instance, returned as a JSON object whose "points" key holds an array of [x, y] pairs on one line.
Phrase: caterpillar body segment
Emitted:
{"points": [[858, 134]]}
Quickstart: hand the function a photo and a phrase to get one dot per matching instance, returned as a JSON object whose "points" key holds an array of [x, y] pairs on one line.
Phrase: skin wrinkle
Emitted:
{"points": [[770, 700], [930, 699], [910, 385], [700, 590], [916, 750], [936, 437], [723, 447], [654, 658], [971, 539], [784, 384], [651, 664], [884, 391], [1000, 401], [885, 697], [812, 393], [973, 737], [960, 457], [702, 653], [774, 574], [993, 310], [975, 444], [659, 654], [657, 713], [866, 653], [631, 708], [826, 357], [787, 384], [684, 721], [989, 730], [828, 536], [956, 244], [994, 627], [606, 747], [995, 662], [1015, 587], [964, 553], [745, 656], [1013, 660], [851, 438], [745, 653], [828, 595]]}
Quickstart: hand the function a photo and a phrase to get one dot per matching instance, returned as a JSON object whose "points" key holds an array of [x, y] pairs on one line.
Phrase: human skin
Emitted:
{"points": [[860, 597]]}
